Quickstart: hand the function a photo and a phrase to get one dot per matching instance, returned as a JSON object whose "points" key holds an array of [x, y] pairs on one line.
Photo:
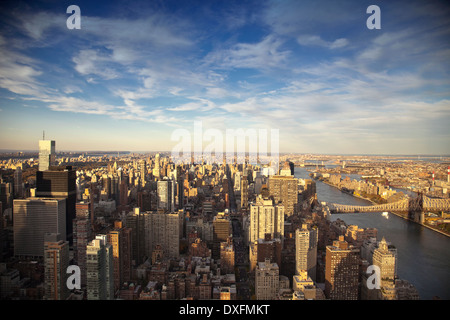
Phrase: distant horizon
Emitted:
{"points": [[280, 153]]}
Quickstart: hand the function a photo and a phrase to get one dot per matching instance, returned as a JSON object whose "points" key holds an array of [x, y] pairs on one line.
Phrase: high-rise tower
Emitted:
{"points": [[284, 189], [266, 218], [306, 251], [157, 169], [56, 258], [99, 269], [59, 182], [47, 155], [166, 195], [341, 271], [33, 218]]}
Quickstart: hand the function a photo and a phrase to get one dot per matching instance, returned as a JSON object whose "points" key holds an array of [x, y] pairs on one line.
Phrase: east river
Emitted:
{"points": [[423, 254]]}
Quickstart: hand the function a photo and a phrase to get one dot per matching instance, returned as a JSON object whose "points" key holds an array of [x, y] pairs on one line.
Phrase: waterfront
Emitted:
{"points": [[423, 255]]}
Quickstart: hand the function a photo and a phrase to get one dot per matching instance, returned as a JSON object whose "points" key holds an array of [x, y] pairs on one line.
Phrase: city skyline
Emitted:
{"points": [[134, 73]]}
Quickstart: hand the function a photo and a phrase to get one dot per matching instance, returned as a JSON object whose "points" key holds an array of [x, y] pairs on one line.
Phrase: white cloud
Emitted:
{"points": [[313, 40], [19, 73], [199, 104], [261, 55], [92, 62], [71, 89]]}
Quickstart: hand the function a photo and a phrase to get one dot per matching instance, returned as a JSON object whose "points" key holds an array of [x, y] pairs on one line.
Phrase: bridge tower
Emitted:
{"points": [[415, 208]]}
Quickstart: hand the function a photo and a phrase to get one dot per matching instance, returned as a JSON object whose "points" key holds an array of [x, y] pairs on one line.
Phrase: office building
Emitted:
{"points": [[267, 280], [82, 233], [237, 181], [120, 240], [165, 231], [306, 250], [123, 191], [341, 271], [166, 195], [99, 269], [135, 220], [284, 189], [180, 187], [47, 154], [60, 182], [221, 232], [56, 261], [266, 218], [157, 168], [18, 185], [33, 218], [142, 166], [6, 194], [227, 256], [244, 193]]}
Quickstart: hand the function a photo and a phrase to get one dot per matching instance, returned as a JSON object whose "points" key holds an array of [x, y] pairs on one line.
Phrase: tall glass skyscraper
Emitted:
{"points": [[47, 154]]}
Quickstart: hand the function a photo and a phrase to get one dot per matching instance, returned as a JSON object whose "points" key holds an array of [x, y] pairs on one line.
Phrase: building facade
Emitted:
{"points": [[56, 260], [47, 154], [266, 218], [341, 271], [33, 218], [306, 240], [267, 280], [284, 189]]}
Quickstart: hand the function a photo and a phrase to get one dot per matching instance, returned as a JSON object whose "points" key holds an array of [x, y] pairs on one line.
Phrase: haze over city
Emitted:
{"points": [[134, 72]]}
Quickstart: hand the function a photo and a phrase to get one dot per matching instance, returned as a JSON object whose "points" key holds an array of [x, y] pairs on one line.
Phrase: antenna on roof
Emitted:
{"points": [[43, 134]]}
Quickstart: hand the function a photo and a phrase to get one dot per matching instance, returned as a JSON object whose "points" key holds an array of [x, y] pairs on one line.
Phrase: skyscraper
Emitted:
{"points": [[56, 260], [227, 256], [266, 218], [156, 169], [99, 269], [136, 221], [284, 189], [33, 218], [341, 271], [60, 182], [120, 240], [165, 232], [180, 187], [166, 195], [82, 235], [18, 186], [221, 232], [244, 193], [142, 171], [306, 251], [47, 154]]}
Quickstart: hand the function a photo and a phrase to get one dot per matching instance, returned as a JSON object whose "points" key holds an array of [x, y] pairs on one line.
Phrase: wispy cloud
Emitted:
{"points": [[261, 55], [91, 62], [310, 69], [314, 40]]}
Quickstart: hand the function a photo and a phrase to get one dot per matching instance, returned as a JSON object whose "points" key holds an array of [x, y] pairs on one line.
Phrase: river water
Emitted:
{"points": [[423, 254]]}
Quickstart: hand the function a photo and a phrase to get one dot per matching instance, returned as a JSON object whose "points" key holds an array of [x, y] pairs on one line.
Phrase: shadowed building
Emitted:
{"points": [[60, 182]]}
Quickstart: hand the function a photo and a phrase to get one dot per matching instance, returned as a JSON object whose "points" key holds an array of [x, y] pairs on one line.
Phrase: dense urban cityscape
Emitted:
{"points": [[219, 158], [141, 227]]}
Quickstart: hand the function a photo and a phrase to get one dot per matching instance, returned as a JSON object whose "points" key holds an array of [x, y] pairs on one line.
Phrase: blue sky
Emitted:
{"points": [[138, 70]]}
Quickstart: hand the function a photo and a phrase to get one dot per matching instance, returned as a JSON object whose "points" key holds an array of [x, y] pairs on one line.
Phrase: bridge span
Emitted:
{"points": [[420, 203]]}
